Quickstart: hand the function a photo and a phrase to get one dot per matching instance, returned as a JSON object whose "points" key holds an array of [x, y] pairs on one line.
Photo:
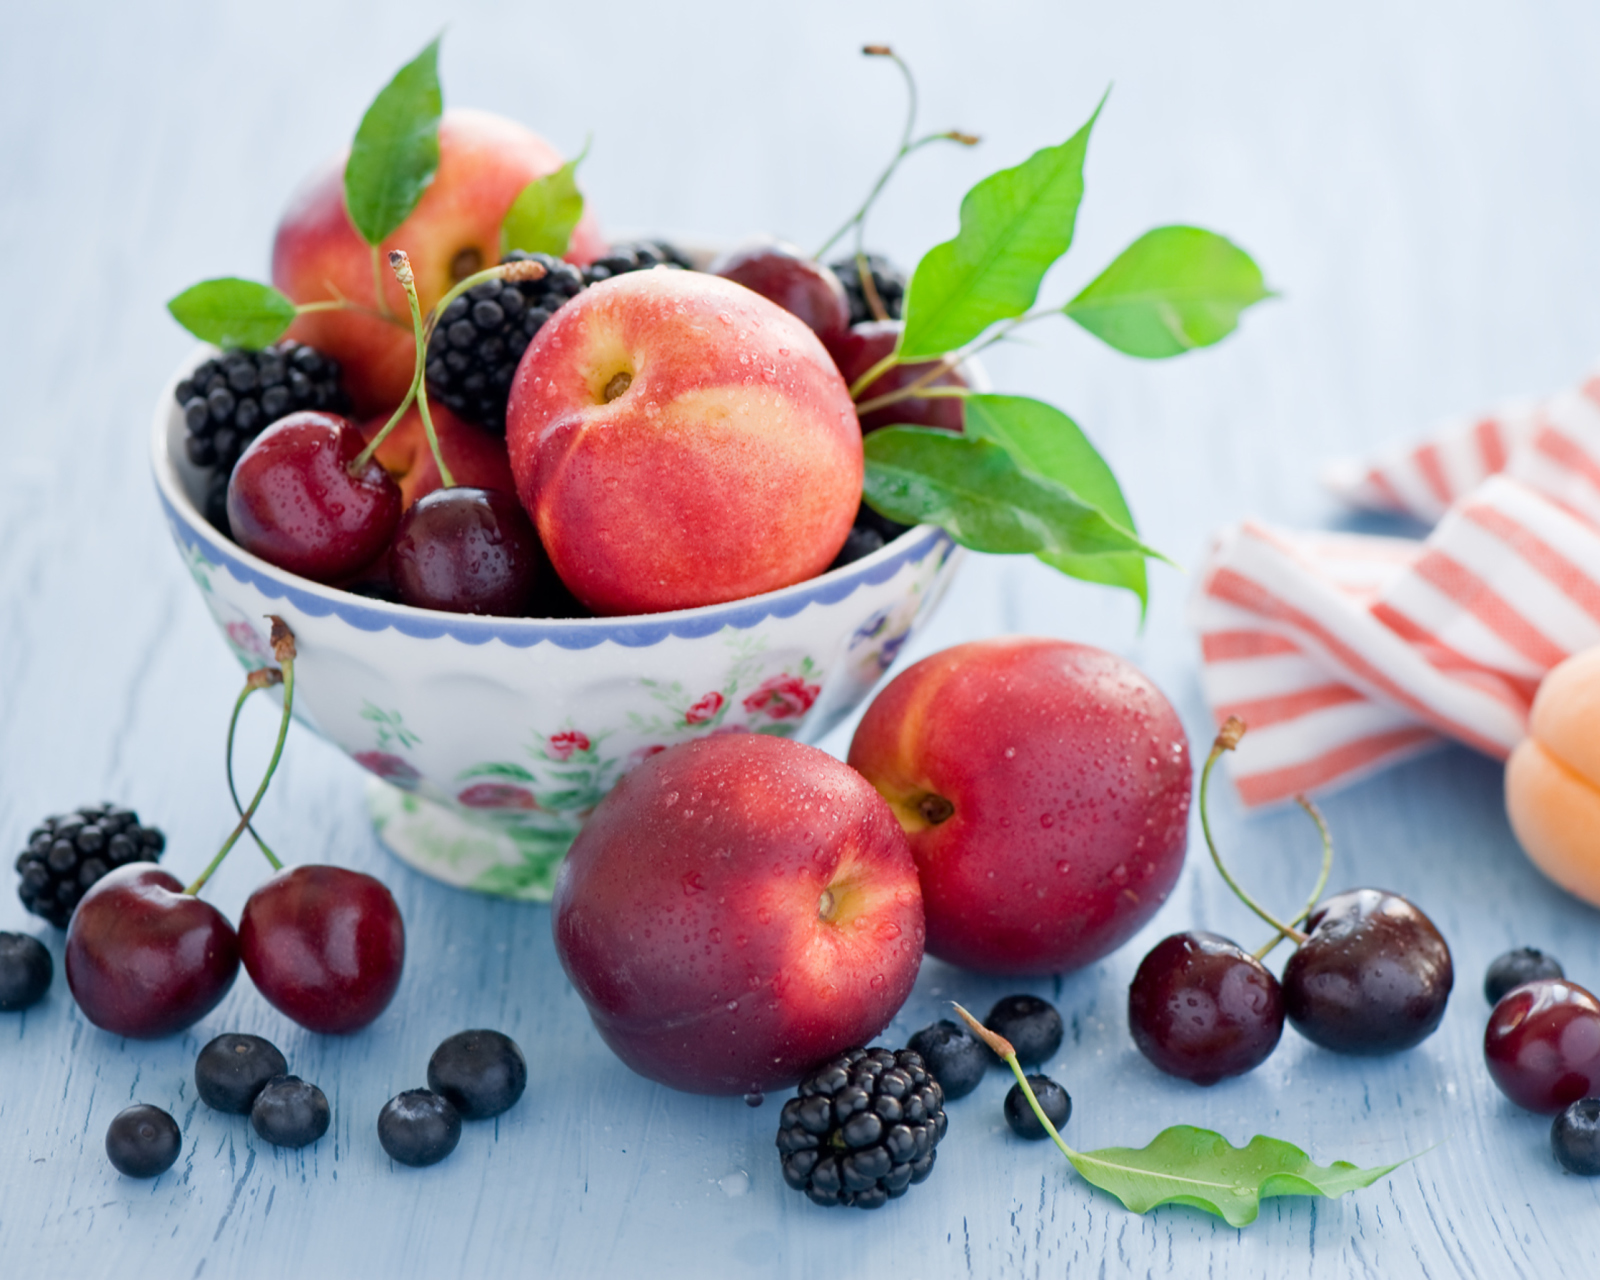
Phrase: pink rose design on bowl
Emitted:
{"points": [[782, 697], [497, 795], [705, 709], [245, 637], [390, 768], [562, 746]]}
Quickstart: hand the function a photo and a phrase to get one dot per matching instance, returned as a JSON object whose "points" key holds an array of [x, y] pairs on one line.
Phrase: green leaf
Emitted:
{"points": [[1171, 290], [1014, 225], [543, 215], [1185, 1165], [1043, 440], [981, 496], [231, 312], [396, 150]]}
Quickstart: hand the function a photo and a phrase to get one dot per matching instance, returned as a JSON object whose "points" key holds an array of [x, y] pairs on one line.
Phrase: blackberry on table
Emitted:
{"points": [[480, 337], [230, 399], [862, 1129], [889, 282], [66, 854]]}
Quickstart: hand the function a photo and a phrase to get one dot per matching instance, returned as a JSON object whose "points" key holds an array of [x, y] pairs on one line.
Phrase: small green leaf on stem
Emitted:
{"points": [[1185, 1165], [1014, 225], [542, 217], [231, 312], [982, 497], [396, 149], [1048, 443], [1171, 290]]}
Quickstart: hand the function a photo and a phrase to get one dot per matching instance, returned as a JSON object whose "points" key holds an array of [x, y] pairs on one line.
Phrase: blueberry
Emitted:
{"points": [[1054, 1101], [480, 1073], [25, 971], [233, 1069], [288, 1112], [1575, 1137], [143, 1141], [954, 1055], [418, 1127], [1032, 1025], [1525, 964]]}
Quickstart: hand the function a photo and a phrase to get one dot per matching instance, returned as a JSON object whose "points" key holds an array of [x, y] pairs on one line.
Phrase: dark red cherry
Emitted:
{"points": [[1203, 1009], [324, 945], [863, 347], [144, 959], [293, 502], [1373, 977], [1542, 1044], [468, 551], [800, 285]]}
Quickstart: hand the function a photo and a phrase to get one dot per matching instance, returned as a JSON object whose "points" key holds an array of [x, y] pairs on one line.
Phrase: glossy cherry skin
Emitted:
{"points": [[800, 285], [1373, 977], [293, 502], [144, 959], [1202, 1008], [468, 551], [1542, 1044], [324, 945], [863, 347]]}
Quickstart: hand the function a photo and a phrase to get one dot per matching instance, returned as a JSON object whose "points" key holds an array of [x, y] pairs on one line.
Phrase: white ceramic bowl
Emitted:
{"points": [[495, 737]]}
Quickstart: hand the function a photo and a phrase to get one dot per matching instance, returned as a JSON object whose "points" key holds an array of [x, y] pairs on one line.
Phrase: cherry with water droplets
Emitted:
{"points": [[800, 285], [324, 945], [1203, 1009], [1542, 1045], [468, 551], [145, 959], [293, 501]]}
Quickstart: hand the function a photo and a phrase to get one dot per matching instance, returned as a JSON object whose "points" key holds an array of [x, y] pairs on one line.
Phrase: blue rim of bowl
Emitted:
{"points": [[313, 599]]}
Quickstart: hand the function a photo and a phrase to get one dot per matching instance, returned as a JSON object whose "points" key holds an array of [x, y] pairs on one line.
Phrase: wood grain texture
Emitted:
{"points": [[1419, 182]]}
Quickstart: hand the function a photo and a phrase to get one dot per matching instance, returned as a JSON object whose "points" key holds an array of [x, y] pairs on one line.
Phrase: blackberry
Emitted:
{"points": [[230, 399], [480, 337], [1032, 1025], [862, 1129], [1525, 964], [888, 280], [1054, 1101], [67, 853]]}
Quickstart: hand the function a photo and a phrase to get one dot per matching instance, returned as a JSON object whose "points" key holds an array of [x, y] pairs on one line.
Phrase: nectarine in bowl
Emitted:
{"points": [[490, 740]]}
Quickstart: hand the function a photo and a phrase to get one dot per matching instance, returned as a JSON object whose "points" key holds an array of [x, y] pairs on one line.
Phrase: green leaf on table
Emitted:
{"points": [[1046, 442], [396, 150], [1185, 1165], [1171, 290], [1014, 225], [231, 312], [542, 217], [981, 496]]}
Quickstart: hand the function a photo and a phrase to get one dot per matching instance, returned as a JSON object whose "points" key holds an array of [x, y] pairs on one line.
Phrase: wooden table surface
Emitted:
{"points": [[1421, 184]]}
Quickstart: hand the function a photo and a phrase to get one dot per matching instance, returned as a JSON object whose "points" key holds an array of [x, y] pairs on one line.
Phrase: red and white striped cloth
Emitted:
{"points": [[1345, 654]]}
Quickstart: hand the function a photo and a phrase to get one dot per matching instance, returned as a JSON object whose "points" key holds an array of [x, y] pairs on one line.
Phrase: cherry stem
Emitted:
{"points": [[1003, 1050], [1227, 739], [419, 382], [1315, 815], [283, 650], [908, 144], [261, 678], [950, 360]]}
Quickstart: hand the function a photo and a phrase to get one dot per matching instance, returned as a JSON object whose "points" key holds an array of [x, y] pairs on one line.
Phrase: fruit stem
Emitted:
{"points": [[401, 265], [1322, 879], [1003, 1050], [1227, 739], [858, 219], [917, 390], [282, 649], [260, 678]]}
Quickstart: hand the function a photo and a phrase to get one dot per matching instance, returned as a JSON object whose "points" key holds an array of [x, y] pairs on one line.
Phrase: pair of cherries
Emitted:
{"points": [[309, 496], [1371, 975], [146, 957]]}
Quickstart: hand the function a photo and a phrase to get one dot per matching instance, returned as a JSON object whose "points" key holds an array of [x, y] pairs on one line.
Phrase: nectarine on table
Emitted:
{"points": [[1044, 787], [737, 910], [1553, 777], [681, 441]]}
